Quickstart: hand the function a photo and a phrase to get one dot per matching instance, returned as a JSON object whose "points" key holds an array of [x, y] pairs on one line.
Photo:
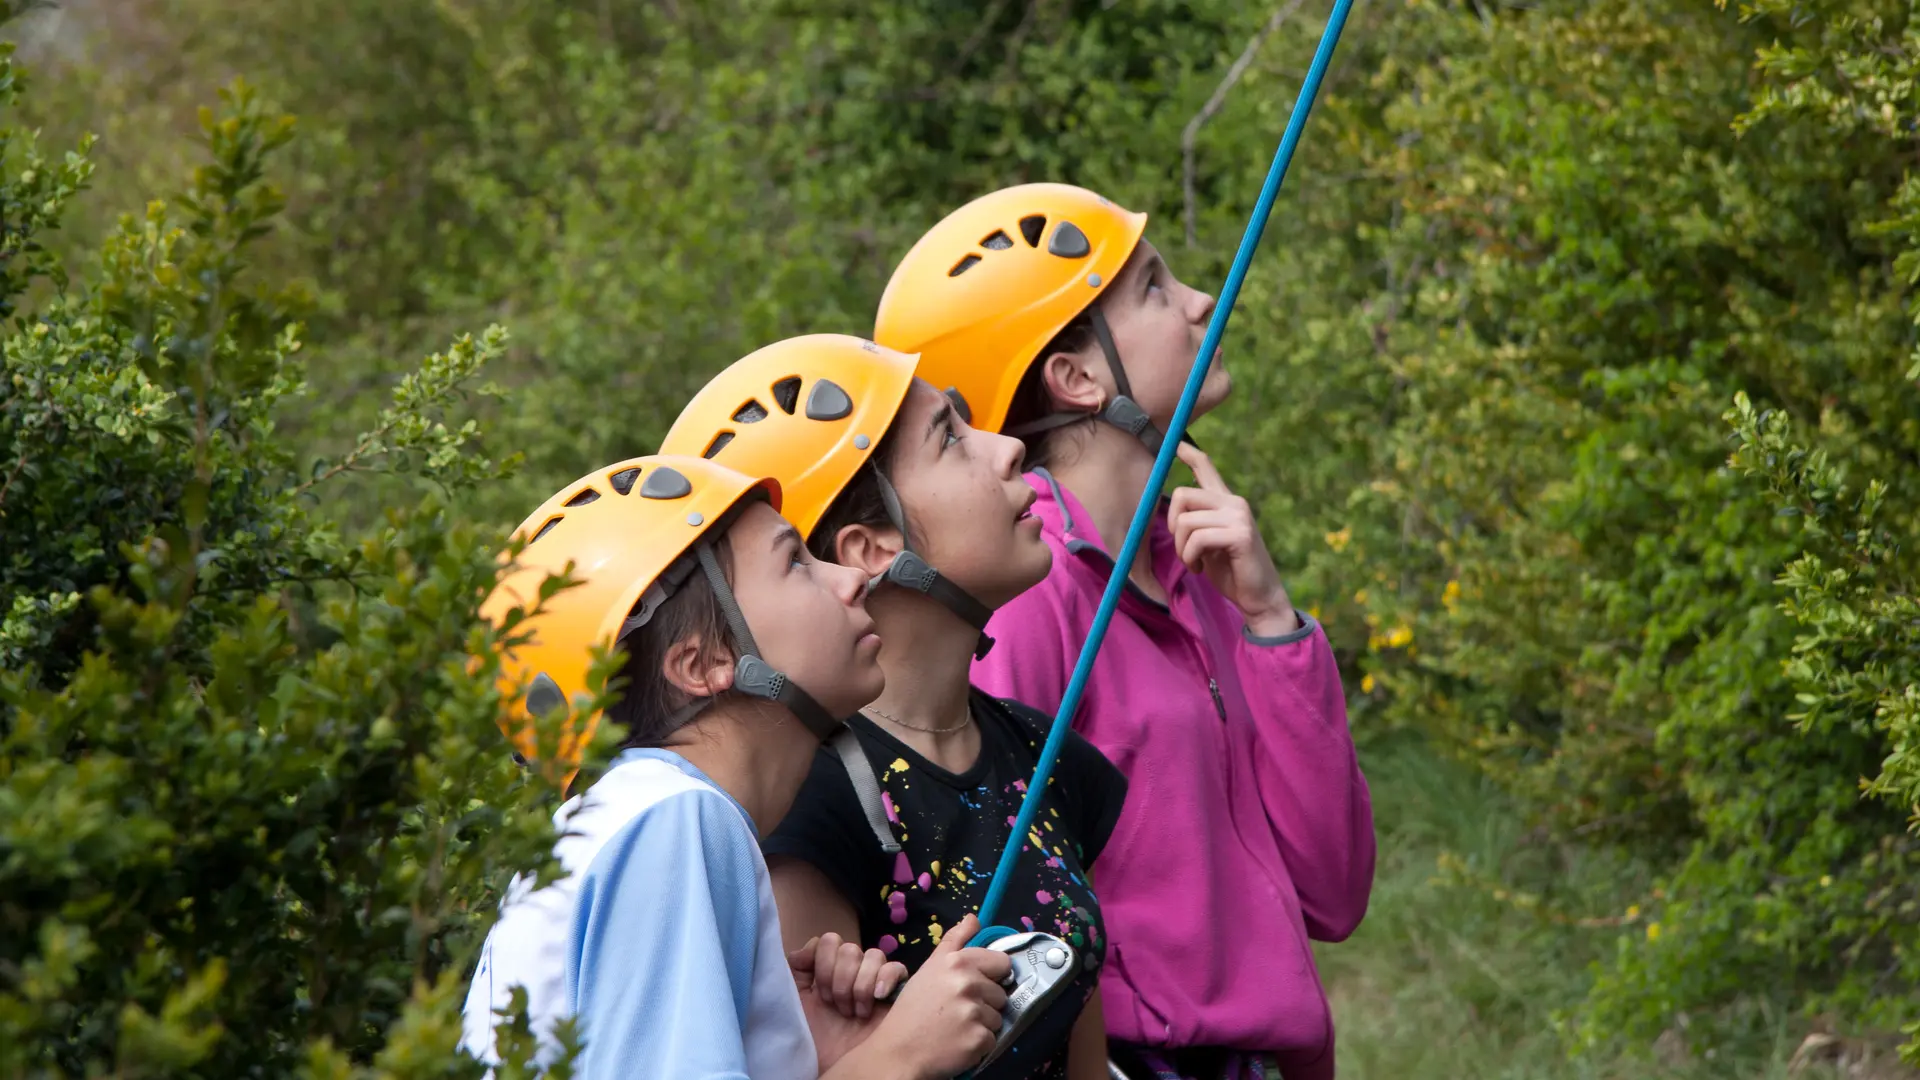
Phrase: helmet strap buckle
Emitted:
{"points": [[911, 572]]}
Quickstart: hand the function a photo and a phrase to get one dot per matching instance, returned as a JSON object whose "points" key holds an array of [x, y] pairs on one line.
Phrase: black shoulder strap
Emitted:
{"points": [[846, 744]]}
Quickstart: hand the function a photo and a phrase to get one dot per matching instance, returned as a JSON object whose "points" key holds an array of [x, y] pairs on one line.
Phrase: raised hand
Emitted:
{"points": [[1214, 533]]}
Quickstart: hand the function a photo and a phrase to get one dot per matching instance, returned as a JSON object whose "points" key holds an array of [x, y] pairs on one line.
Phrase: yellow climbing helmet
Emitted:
{"points": [[988, 287], [632, 532], [809, 411]]}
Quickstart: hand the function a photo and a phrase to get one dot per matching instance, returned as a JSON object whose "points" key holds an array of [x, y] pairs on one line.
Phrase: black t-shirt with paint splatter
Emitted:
{"points": [[952, 828]]}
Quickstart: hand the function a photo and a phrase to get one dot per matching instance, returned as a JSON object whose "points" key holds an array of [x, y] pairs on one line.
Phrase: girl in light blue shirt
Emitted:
{"points": [[661, 943]]}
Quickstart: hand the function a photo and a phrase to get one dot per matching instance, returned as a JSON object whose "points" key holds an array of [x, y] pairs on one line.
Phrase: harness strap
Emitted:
{"points": [[755, 676], [1127, 415], [723, 594], [909, 571], [846, 744], [1122, 412]]}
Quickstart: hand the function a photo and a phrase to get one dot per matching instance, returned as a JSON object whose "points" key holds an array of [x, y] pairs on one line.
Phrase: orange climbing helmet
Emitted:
{"points": [[988, 287], [633, 532], [809, 411]]}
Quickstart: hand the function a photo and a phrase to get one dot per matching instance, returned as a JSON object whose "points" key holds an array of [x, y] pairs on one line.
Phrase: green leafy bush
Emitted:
{"points": [[254, 810], [1562, 575], [754, 173], [1527, 257]]}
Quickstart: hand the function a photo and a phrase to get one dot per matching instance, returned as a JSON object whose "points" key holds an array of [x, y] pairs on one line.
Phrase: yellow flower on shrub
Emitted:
{"points": [[1399, 637], [1366, 684], [1450, 596], [1338, 540]]}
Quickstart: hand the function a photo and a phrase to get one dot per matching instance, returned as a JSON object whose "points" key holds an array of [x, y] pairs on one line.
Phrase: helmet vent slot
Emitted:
{"points": [[586, 496], [999, 241], [548, 527], [718, 444], [622, 481], [786, 394], [1033, 227], [963, 266], [751, 413]]}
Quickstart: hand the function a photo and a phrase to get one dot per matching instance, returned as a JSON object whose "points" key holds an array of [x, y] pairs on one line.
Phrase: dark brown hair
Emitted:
{"points": [[859, 503], [1032, 402], [649, 704]]}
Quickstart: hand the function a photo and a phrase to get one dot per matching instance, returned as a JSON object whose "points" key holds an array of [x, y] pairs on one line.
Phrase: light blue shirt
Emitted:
{"points": [[662, 940]]}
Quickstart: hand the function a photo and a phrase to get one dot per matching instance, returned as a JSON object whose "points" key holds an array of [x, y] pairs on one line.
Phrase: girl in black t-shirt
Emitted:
{"points": [[951, 827], [881, 472]]}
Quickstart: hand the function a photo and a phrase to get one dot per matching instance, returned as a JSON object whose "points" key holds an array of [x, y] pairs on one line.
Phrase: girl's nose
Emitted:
{"points": [[848, 583], [1007, 453], [1200, 306]]}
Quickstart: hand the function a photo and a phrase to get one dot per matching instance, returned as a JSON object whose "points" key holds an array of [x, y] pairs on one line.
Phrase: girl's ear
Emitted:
{"points": [[867, 548], [1072, 384], [696, 669]]}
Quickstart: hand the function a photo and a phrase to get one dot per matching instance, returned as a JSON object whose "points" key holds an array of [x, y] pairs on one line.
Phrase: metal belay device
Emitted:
{"points": [[1043, 968], [1044, 965]]}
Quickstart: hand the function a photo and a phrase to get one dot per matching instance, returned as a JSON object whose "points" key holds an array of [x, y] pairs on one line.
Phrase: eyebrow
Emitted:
{"points": [[941, 417], [1146, 267], [784, 533]]}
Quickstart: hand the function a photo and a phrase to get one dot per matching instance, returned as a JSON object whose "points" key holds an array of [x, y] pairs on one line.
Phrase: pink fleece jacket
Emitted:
{"points": [[1248, 828]]}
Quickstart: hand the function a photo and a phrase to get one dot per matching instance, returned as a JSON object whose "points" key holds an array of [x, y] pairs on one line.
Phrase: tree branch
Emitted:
{"points": [[979, 36], [1219, 99], [12, 475]]}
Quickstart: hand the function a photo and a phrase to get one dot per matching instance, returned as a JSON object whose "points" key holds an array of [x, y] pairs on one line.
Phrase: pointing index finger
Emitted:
{"points": [[1204, 473]]}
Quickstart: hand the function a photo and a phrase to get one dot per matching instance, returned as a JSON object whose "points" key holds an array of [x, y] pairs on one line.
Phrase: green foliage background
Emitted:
{"points": [[1576, 390]]}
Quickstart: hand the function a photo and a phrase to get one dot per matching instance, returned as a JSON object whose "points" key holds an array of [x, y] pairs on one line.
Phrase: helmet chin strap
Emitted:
{"points": [[911, 572], [752, 675], [1122, 412]]}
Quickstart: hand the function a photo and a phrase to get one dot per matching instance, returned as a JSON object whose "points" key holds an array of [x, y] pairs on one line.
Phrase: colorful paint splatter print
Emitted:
{"points": [[952, 828]]}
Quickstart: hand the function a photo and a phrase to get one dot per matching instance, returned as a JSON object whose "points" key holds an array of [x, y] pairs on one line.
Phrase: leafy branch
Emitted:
{"points": [[412, 425], [1856, 659]]}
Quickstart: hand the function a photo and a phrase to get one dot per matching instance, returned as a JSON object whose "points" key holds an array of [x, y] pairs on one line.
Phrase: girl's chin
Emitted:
{"points": [[1041, 562], [875, 682], [1217, 388]]}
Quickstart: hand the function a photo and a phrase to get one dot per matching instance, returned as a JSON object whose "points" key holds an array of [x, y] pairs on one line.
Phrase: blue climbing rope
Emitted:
{"points": [[1150, 499]]}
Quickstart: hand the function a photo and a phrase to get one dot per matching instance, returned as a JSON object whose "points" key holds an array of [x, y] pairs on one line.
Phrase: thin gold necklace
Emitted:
{"points": [[892, 719]]}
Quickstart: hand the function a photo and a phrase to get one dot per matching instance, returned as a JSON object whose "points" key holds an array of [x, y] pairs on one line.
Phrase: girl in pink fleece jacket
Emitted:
{"points": [[1247, 830]]}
